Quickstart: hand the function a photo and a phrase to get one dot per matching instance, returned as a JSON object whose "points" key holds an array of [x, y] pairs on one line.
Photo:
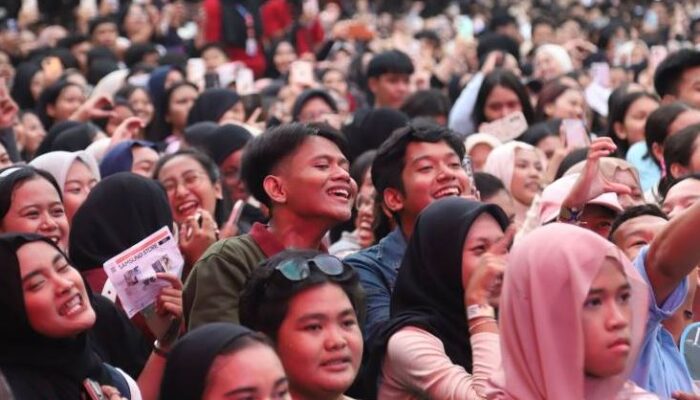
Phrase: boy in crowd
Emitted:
{"points": [[414, 167], [300, 172], [388, 76]]}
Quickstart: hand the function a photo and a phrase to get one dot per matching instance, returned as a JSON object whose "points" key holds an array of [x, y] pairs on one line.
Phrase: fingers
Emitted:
{"points": [[502, 245], [174, 281], [254, 116], [685, 396]]}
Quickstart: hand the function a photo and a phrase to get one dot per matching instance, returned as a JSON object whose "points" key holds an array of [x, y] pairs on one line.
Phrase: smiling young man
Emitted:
{"points": [[300, 172], [414, 167]]}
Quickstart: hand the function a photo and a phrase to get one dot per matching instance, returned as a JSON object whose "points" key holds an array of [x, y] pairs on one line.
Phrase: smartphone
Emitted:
{"points": [[93, 390], [506, 128], [575, 133], [211, 80], [245, 81], [190, 229], [301, 73], [237, 211], [601, 73], [469, 169], [195, 72]]}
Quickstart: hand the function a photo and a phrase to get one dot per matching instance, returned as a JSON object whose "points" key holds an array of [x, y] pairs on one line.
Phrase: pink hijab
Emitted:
{"points": [[547, 281]]}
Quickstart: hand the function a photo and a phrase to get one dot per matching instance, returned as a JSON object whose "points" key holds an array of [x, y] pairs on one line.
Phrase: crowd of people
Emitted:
{"points": [[449, 199]]}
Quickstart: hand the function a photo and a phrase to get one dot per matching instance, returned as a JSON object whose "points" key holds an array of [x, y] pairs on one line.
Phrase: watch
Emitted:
{"points": [[480, 310]]}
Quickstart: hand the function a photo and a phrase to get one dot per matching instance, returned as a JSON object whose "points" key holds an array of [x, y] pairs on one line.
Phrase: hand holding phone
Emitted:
{"points": [[301, 73]]}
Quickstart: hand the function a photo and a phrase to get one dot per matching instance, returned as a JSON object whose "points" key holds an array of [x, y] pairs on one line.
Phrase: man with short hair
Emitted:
{"points": [[388, 75], [300, 172], [414, 167], [665, 253], [678, 77]]}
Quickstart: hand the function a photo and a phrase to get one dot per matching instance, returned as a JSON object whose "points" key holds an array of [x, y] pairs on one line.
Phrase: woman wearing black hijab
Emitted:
{"points": [[451, 262], [206, 362], [53, 133], [75, 138], [119, 212], [217, 105], [22, 92], [45, 344]]}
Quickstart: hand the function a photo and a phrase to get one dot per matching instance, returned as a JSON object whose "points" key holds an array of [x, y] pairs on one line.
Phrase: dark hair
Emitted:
{"points": [[72, 40], [361, 165], [535, 133], [501, 18], [213, 46], [164, 128], [634, 212], [426, 103], [618, 109], [508, 80], [658, 123], [679, 148], [9, 180], [496, 42], [245, 341], [202, 159], [390, 160], [137, 51], [265, 298], [428, 35], [488, 185], [389, 62], [571, 159], [549, 94], [128, 90], [97, 21], [541, 20], [607, 33], [670, 183], [308, 95], [266, 151], [49, 96], [669, 73]]}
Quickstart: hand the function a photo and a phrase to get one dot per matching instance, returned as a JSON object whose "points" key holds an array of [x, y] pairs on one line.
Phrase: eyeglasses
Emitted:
{"points": [[298, 270], [189, 180]]}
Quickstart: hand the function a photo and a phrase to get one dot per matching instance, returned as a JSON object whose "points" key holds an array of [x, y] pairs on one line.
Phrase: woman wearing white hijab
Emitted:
{"points": [[551, 61], [76, 173]]}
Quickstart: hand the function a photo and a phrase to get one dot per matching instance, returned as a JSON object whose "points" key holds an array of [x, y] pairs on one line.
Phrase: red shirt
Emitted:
{"points": [[277, 18], [212, 33]]}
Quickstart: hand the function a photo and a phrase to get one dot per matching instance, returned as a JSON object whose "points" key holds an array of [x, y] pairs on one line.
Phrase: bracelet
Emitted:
{"points": [[159, 350], [480, 310], [485, 321]]}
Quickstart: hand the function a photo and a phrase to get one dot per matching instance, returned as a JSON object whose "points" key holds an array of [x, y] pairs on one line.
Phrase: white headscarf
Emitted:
{"points": [[57, 163]]}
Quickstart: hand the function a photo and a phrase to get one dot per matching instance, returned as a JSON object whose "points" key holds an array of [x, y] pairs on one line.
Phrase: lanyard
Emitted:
{"points": [[249, 22]]}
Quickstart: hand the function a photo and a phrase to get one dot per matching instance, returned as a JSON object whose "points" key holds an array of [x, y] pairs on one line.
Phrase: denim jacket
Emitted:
{"points": [[377, 267]]}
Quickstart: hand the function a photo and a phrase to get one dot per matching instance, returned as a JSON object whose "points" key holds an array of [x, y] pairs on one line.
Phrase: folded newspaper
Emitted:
{"points": [[133, 271]]}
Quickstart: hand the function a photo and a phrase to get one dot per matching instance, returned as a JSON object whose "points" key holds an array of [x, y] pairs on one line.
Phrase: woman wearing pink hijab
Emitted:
{"points": [[573, 309]]}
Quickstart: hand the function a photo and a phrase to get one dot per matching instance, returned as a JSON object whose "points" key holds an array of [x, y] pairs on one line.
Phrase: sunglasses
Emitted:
{"points": [[298, 270]]}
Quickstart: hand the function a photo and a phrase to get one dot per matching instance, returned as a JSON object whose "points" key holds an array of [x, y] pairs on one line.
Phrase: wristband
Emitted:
{"points": [[480, 310], [159, 350], [484, 321]]}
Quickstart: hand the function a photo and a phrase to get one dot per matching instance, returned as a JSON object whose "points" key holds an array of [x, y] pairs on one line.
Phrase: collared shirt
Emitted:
{"points": [[660, 368], [378, 267], [213, 289]]}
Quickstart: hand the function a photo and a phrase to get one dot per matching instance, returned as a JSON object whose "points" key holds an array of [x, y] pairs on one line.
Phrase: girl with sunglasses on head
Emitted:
{"points": [[310, 304]]}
